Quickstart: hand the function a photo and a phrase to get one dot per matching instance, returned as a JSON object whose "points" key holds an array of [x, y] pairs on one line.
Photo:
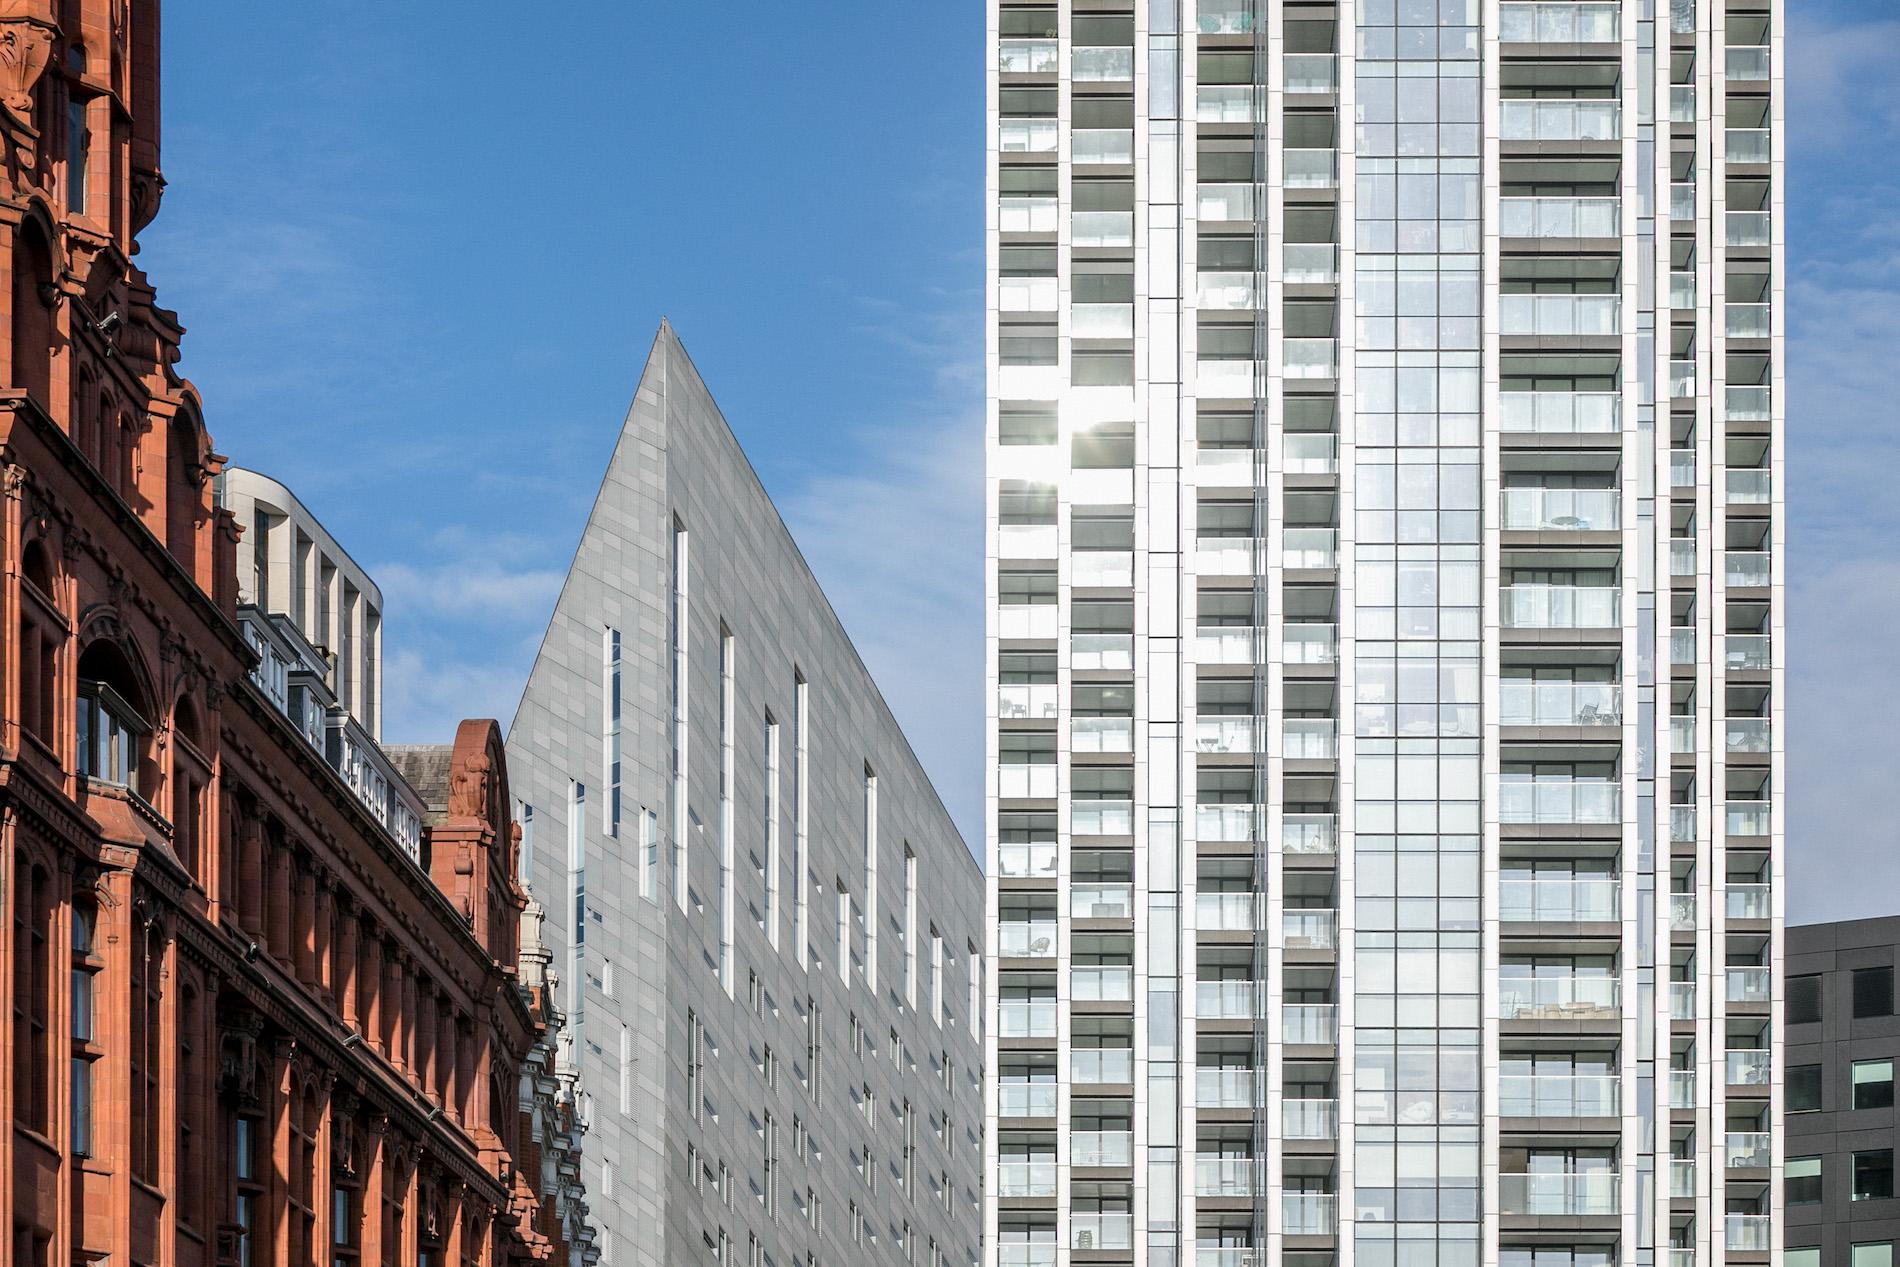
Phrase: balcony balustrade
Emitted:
{"points": [[1228, 644], [1226, 1177], [1019, 214], [1747, 735], [1026, 541], [1560, 1095], [1529, 702], [1682, 912], [1681, 110], [1030, 621], [1682, 290], [1682, 1001], [1538, 606], [1309, 548], [1224, 822], [1562, 509], [1310, 168], [1018, 939], [1747, 569], [1747, 321], [1747, 1067], [1748, 1150], [1102, 569], [1748, 1234], [1225, 291], [1226, 103], [1309, 1213], [1026, 1099], [1102, 983], [1746, 63], [1749, 486], [1746, 404], [1750, 984], [1225, 202], [1749, 901], [1226, 379], [1011, 1254], [1309, 358], [1558, 997], [1748, 228], [1310, 452], [1102, 734], [1682, 646], [1557, 216], [1561, 119], [1681, 380], [1560, 413], [1682, 1178], [1682, 1088], [1216, 912], [1558, 316], [1228, 556], [1748, 145], [1746, 653], [1101, 228], [1018, 861], [1102, 145], [1029, 57], [1681, 735], [1309, 1119], [1311, 72], [1309, 739], [1026, 1178], [1016, 701], [1309, 929], [1092, 64], [1027, 136], [1101, 901], [1026, 1018], [1309, 644], [1309, 263], [1232, 999], [1559, 801], [1560, 900], [1561, 22], [1592, 1194], [1309, 833], [1101, 1148], [1095, 1231], [1309, 1024], [1225, 1087], [1102, 1066], [1018, 782], [1682, 556], [1682, 468], [1102, 321], [1225, 17]]}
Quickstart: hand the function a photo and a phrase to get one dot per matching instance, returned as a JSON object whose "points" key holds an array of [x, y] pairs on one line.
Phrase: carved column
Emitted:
{"points": [[277, 903], [369, 990], [250, 870], [303, 933], [348, 991], [322, 937], [390, 1007]]}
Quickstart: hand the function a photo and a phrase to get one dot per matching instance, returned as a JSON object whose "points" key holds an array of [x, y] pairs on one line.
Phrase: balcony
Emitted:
{"points": [[1746, 1067], [1225, 292], [1562, 509], [1034, 621], [1559, 316], [1313, 72], [1682, 729], [1096, 1231], [1102, 1066], [1747, 1150], [1310, 452], [1225, 1087], [1748, 145], [1681, 110], [1309, 358], [1559, 801], [1225, 203], [1747, 569], [1746, 64], [1745, 818], [1747, 1234], [1102, 145], [1747, 228], [1682, 1089], [1682, 1001], [1031, 782], [1558, 216], [1027, 136], [1094, 65], [1528, 702], [1017, 939], [1232, 380], [1026, 541], [1013, 1254], [1226, 912], [1018, 214], [1559, 1095], [1026, 1018], [1746, 404], [1026, 1178], [1681, 643], [1560, 901], [1224, 17], [1102, 734], [1101, 818], [1309, 833], [1027, 861], [1017, 701], [1309, 739], [1224, 822], [1225, 103], [1228, 556], [1750, 984], [1102, 983], [1561, 119], [1746, 653], [1310, 169], [1682, 290], [1747, 735], [1309, 1119], [1565, 997], [1682, 912], [1537, 606], [1309, 1213], [1101, 228], [1748, 486], [1309, 929], [1102, 569], [1563, 22], [1231, 1177], [1026, 1099], [1102, 321], [1029, 57], [1590, 1195], [1233, 467], [1560, 413], [1224, 1000], [1101, 901], [1749, 901], [1101, 1148], [1315, 548], [1309, 644], [1309, 1024], [1232, 644], [1309, 263], [1682, 1179], [1747, 321], [1681, 380]]}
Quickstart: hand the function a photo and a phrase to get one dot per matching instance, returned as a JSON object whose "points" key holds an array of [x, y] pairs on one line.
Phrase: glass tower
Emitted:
{"points": [[1385, 632]]}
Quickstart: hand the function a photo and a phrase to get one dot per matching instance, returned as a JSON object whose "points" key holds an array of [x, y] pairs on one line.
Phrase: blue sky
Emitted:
{"points": [[420, 272]]}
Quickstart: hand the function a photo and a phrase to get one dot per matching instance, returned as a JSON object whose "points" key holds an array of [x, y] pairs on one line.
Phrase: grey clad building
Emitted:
{"points": [[766, 926], [1843, 1039]]}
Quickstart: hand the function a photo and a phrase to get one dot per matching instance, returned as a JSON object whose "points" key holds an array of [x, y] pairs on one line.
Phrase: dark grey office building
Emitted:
{"points": [[1843, 1040]]}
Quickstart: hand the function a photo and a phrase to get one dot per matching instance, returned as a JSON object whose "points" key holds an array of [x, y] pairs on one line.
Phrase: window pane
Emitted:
{"points": [[1803, 1180], [1804, 999], [1806, 1256], [1873, 1174], [1804, 1089], [1873, 992], [1873, 1084], [1873, 1254]]}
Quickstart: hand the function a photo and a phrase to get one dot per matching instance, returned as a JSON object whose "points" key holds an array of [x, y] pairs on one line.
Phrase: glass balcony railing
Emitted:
{"points": [[1026, 1099], [1309, 833], [1026, 1018], [1102, 321], [1746, 1067], [1309, 1119], [1018, 939], [1101, 818], [1748, 145], [1029, 57], [1026, 620], [1021, 861], [1682, 911], [1226, 734], [1563, 509], [1682, 646], [1034, 782], [1309, 644], [1682, 1001], [1225, 17], [1309, 1024], [1592, 1194], [1225, 103], [1747, 1233], [1102, 569], [1679, 1257], [1750, 984], [1226, 1177], [1746, 404], [1747, 735], [1226, 912], [1309, 739], [1310, 452], [1309, 929], [1102, 145], [1226, 466], [1557, 997], [1309, 263], [1561, 119], [1681, 380], [1311, 72], [1095, 1231], [1224, 1000], [1562, 413], [1101, 65], [1027, 136], [1102, 1066], [1225, 203], [1101, 228], [1102, 734], [1682, 290], [1747, 321], [1747, 569], [1553, 900], [1682, 556], [1026, 1178], [1746, 652], [1224, 822], [1107, 652], [1225, 1088], [1749, 901], [1310, 168], [1309, 358], [1101, 901], [1226, 379], [1681, 110], [1016, 701], [1309, 1213], [1749, 486], [1557, 316], [1231, 644], [1682, 729], [1746, 63], [1681, 1179], [1527, 702], [1309, 548], [1747, 228], [1101, 1148], [1562, 22], [1682, 1088], [1559, 801], [1026, 294], [1225, 292], [1560, 217], [1559, 1095], [1747, 1150], [1535, 606], [1017, 214], [1102, 983], [1682, 17], [1011, 1254], [1227, 556]]}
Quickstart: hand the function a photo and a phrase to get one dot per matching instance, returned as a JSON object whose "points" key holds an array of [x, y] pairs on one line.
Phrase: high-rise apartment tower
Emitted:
{"points": [[1385, 632]]}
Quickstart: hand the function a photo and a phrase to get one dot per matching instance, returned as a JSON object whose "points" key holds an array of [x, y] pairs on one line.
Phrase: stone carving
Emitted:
{"points": [[26, 45], [470, 786]]}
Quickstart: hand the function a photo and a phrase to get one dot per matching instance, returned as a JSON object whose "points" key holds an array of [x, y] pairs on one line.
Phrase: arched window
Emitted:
{"points": [[111, 730], [41, 633], [33, 294], [32, 991]]}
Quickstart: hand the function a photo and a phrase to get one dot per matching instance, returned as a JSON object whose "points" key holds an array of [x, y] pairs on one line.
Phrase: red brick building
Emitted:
{"points": [[247, 1025]]}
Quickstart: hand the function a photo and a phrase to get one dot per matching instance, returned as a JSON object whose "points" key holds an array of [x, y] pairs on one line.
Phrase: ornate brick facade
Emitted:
{"points": [[247, 1025]]}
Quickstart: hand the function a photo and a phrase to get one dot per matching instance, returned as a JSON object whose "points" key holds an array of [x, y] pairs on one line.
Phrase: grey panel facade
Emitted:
{"points": [[1824, 958], [842, 1045]]}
